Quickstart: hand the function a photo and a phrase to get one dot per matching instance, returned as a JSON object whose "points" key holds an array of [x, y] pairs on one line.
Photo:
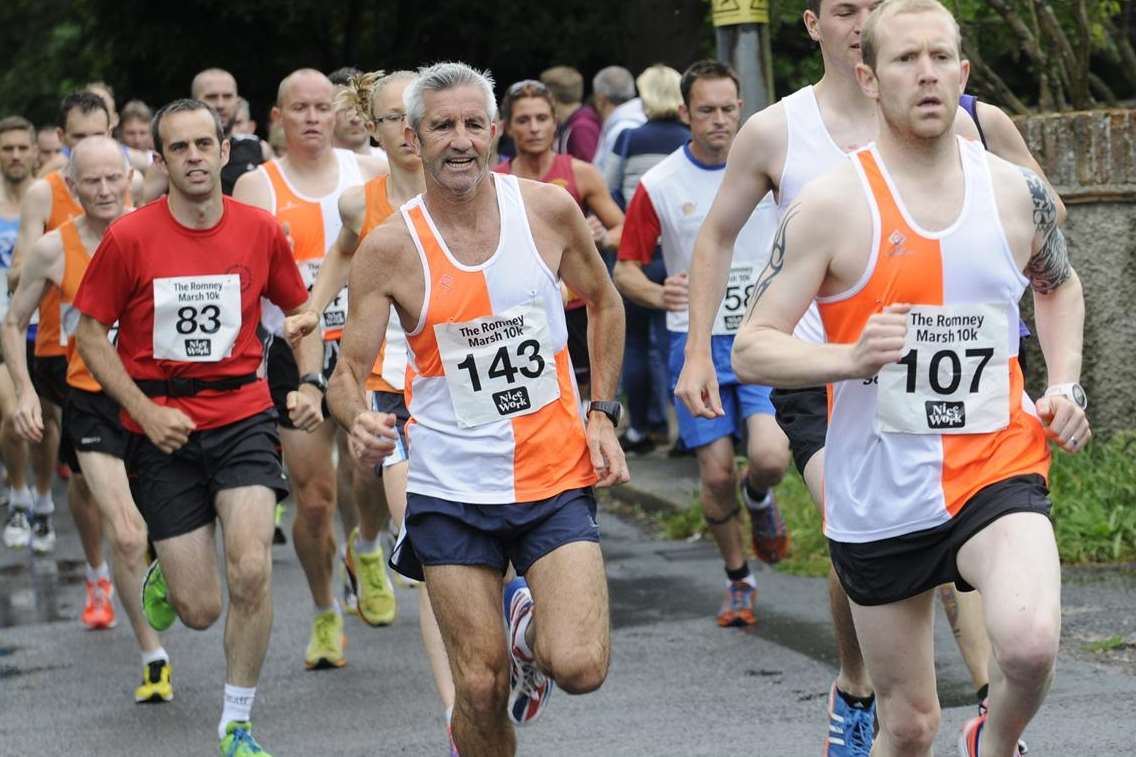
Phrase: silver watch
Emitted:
{"points": [[1074, 392]]}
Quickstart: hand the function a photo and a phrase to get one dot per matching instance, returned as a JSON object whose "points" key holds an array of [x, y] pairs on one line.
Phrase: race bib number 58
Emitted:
{"points": [[500, 366], [739, 289], [954, 377], [196, 318]]}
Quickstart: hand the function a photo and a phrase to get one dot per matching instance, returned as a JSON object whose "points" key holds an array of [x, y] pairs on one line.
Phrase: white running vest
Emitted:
{"points": [[810, 153], [907, 449], [681, 191], [323, 232]]}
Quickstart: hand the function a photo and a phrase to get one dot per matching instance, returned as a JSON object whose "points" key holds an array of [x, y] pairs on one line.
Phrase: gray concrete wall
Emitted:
{"points": [[1091, 160]]}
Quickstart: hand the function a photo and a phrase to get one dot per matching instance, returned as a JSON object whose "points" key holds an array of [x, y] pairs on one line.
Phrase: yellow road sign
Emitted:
{"points": [[732, 12]]}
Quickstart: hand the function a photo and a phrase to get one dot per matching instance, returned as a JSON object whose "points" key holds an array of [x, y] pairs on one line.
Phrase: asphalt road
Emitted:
{"points": [[678, 684]]}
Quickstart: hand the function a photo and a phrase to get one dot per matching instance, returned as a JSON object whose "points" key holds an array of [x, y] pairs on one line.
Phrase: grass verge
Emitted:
{"points": [[1094, 510]]}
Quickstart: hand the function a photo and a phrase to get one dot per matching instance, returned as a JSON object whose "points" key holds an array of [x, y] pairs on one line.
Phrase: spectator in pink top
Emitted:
{"points": [[579, 125]]}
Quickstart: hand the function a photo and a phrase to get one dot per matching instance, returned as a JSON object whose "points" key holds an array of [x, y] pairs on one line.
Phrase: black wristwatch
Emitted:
{"points": [[610, 408], [315, 379]]}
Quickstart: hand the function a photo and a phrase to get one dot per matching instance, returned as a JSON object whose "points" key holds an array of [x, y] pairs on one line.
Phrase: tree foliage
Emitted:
{"points": [[1053, 54], [1024, 54]]}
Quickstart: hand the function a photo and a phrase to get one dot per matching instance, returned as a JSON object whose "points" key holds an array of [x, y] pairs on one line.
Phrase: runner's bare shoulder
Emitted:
{"points": [[762, 142], [548, 206], [1023, 198]]}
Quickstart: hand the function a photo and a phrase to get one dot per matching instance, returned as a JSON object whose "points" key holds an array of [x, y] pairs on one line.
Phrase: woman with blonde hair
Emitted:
{"points": [[645, 379]]}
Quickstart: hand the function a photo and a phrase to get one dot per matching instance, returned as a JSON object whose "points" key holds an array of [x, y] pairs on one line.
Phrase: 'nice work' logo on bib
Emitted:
{"points": [[942, 415]]}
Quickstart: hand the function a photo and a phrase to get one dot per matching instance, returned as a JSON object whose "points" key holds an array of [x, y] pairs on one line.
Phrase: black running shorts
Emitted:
{"points": [[284, 375], [176, 493], [891, 570], [49, 377], [91, 424], [803, 415]]}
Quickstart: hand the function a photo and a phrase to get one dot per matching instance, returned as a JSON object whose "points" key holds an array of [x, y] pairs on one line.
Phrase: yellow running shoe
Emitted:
{"points": [[368, 573], [325, 650], [156, 683]]}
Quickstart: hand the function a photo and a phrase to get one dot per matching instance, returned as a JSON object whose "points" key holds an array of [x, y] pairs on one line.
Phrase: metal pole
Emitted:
{"points": [[741, 46], [742, 31]]}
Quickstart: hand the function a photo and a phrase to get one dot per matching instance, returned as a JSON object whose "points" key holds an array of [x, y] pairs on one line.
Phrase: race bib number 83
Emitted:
{"points": [[954, 377], [196, 318], [500, 366]]}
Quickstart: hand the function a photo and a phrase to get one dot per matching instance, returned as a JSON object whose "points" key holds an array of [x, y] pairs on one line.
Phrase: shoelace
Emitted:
{"points": [[241, 736], [738, 597], [860, 731], [325, 631], [17, 519], [373, 574]]}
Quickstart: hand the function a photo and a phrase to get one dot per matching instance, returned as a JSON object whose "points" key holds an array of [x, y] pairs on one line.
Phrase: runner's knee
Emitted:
{"points": [[719, 480], [911, 726], [484, 689], [578, 669], [128, 540], [1029, 654], [198, 610], [248, 577]]}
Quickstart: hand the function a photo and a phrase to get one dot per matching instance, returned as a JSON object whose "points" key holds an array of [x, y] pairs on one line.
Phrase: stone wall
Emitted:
{"points": [[1090, 158]]}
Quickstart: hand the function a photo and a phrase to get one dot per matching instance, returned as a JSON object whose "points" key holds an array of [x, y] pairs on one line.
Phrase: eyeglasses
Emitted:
{"points": [[390, 118], [524, 84]]}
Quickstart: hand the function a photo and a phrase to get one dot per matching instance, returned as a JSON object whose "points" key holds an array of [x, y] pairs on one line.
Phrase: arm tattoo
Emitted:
{"points": [[1049, 267], [776, 261]]}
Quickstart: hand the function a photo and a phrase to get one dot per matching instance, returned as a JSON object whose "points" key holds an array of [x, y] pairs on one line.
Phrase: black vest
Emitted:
{"points": [[244, 156]]}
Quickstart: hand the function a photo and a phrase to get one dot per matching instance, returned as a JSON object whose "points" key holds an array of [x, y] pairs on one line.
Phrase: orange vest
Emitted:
{"points": [[76, 258], [64, 207], [377, 210]]}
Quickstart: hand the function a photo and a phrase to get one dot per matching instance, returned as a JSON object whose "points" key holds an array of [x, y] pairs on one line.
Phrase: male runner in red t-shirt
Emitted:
{"points": [[186, 275]]}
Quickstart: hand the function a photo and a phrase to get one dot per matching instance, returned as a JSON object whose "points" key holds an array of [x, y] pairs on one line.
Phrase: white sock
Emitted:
{"points": [[751, 504], [20, 498], [748, 579], [95, 573], [334, 606], [238, 707], [157, 654], [364, 547], [44, 504]]}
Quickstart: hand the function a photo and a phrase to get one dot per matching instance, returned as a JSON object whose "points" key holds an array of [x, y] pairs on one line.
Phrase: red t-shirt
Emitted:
{"points": [[641, 229], [203, 287]]}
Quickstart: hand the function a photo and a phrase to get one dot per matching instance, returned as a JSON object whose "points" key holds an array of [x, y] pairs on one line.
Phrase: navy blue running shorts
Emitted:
{"points": [[441, 532]]}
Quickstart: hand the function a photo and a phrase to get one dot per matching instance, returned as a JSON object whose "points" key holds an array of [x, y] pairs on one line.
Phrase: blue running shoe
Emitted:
{"points": [[529, 688], [850, 729]]}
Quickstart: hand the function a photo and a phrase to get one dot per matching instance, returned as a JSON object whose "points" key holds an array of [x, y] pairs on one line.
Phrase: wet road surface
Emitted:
{"points": [[678, 685]]}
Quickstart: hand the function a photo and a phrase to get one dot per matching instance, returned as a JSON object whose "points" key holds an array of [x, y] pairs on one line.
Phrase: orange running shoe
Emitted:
{"points": [[767, 528], [98, 614], [971, 737], [737, 609]]}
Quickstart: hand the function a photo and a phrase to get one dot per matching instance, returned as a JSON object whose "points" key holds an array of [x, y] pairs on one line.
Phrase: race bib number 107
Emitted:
{"points": [[954, 377], [196, 318]]}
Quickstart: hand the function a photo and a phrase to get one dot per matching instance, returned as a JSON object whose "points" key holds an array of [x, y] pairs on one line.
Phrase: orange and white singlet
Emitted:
{"points": [[389, 372], [64, 207], [493, 401], [314, 224], [907, 449], [76, 258]]}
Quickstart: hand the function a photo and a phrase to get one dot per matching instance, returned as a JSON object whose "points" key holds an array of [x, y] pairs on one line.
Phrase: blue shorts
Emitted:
{"points": [[442, 532], [739, 401]]}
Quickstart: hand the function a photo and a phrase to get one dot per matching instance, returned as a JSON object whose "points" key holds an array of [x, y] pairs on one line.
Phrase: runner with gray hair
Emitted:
{"points": [[613, 94], [501, 464], [443, 76]]}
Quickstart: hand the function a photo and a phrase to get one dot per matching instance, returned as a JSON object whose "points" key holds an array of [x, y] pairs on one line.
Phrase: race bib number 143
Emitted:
{"points": [[196, 318], [500, 366], [954, 377]]}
